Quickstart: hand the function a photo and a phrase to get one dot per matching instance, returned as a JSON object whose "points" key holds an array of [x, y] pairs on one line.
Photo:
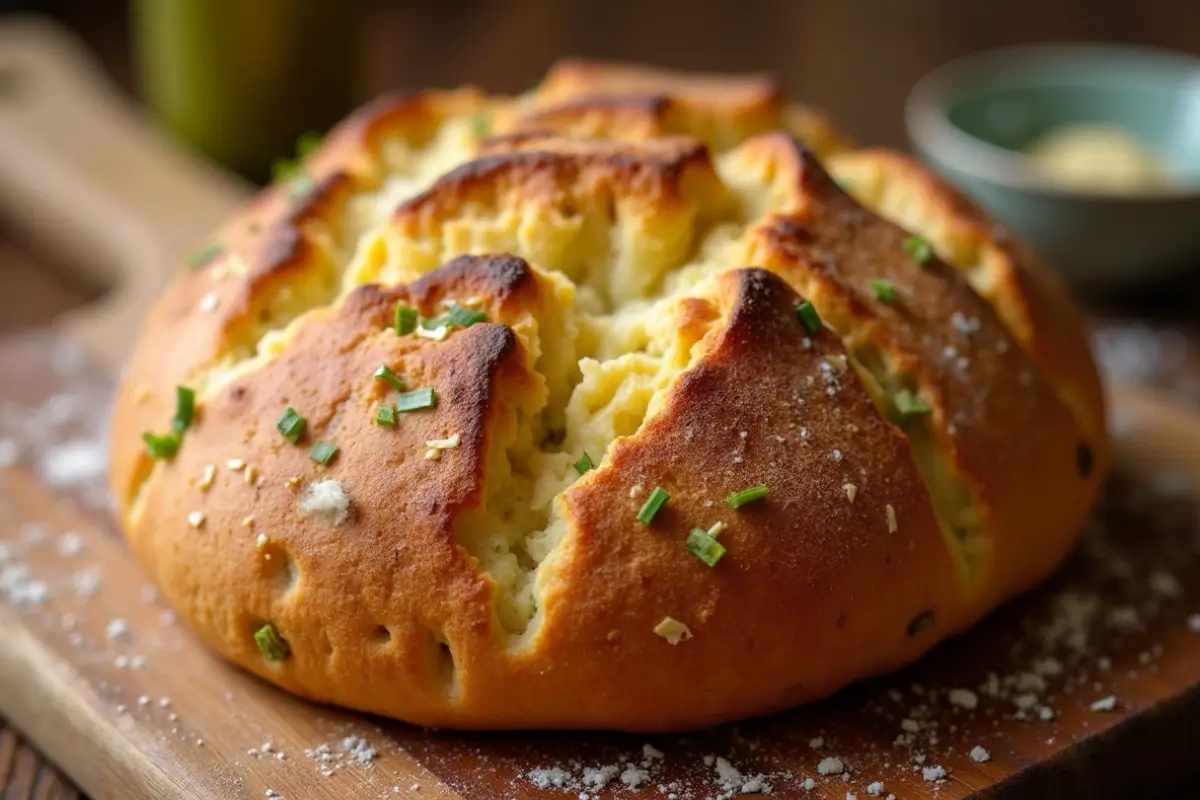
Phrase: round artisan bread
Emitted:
{"points": [[871, 414]]}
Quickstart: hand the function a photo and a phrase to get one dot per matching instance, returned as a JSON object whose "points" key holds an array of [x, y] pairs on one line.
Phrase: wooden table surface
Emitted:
{"points": [[1145, 340]]}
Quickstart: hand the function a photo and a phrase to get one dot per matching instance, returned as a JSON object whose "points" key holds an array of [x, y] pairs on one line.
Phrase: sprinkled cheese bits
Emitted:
{"points": [[524, 412]]}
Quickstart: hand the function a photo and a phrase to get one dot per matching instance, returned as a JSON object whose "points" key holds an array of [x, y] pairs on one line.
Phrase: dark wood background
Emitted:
{"points": [[856, 59]]}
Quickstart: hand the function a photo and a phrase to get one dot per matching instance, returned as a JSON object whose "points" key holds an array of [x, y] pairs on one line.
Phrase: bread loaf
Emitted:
{"points": [[640, 401]]}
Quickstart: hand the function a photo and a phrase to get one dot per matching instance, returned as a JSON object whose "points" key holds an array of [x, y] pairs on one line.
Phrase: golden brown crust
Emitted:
{"points": [[640, 296], [582, 97]]}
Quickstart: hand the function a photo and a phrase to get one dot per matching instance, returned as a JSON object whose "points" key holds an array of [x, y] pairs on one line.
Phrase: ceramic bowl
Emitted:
{"points": [[973, 118]]}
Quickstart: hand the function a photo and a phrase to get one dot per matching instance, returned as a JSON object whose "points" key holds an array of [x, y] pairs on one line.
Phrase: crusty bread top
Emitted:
{"points": [[639, 243]]}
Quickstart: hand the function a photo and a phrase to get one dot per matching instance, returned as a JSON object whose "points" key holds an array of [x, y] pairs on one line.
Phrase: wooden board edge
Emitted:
{"points": [[59, 710], [1126, 759], [57, 729]]}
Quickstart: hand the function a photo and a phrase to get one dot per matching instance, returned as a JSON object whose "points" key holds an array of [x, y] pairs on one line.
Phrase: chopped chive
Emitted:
{"points": [[465, 317], [291, 425], [199, 258], [385, 415], [416, 400], [808, 316], [273, 646], [164, 446], [705, 547], [406, 319], [480, 125], [920, 622], [584, 464], [909, 405], [654, 503], [185, 409], [456, 314], [739, 499], [919, 248], [384, 373], [883, 289], [323, 452], [308, 143]]}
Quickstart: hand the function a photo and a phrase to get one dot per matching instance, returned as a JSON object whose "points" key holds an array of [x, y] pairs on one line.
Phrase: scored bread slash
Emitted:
{"points": [[501, 401]]}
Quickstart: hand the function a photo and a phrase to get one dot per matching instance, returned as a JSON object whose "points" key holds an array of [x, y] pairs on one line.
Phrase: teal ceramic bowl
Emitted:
{"points": [[973, 118]]}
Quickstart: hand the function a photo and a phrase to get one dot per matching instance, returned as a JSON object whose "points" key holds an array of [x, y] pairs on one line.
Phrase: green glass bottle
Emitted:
{"points": [[240, 80]]}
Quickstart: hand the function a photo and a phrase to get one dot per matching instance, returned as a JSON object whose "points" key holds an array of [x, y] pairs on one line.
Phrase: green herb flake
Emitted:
{"points": [[385, 415], [273, 646], [308, 143], [323, 452], [920, 622], [165, 446], [739, 499], [705, 547], [465, 317], [883, 290], [654, 503], [406, 319], [185, 409], [584, 464], [291, 425], [481, 124], [909, 406], [919, 249], [456, 315], [808, 316], [204, 256], [416, 400], [384, 373]]}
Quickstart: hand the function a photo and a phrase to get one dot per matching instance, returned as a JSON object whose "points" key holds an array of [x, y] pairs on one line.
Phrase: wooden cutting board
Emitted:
{"points": [[1087, 688]]}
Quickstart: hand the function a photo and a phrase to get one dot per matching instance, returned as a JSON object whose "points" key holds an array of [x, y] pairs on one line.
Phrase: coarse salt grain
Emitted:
{"points": [[831, 765], [116, 629], [359, 749], [875, 789], [69, 545], [9, 452], [209, 302], [980, 755], [963, 698], [817, 742], [1104, 704], [86, 582], [327, 501], [934, 773], [196, 518]]}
